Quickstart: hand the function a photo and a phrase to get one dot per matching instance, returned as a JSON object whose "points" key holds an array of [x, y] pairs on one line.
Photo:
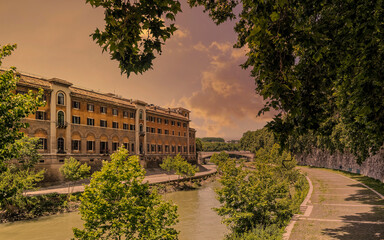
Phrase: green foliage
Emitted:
{"points": [[220, 146], [13, 108], [266, 193], [318, 63], [212, 139], [219, 159], [271, 232], [179, 165], [73, 170], [118, 205], [255, 140], [199, 145], [134, 30], [19, 176]]}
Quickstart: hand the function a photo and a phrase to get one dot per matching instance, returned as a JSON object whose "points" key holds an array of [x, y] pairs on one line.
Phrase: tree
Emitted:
{"points": [[13, 108], [318, 64], [118, 205], [199, 145], [17, 154], [134, 30], [179, 165], [261, 195], [74, 171], [18, 176]]}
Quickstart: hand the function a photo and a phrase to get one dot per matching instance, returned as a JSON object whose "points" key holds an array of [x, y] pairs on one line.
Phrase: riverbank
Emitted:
{"points": [[54, 199]]}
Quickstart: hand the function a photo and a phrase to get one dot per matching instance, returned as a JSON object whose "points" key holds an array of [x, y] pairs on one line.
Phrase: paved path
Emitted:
{"points": [[340, 208], [153, 178]]}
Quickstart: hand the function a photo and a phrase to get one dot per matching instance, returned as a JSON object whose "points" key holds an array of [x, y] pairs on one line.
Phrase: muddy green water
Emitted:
{"points": [[197, 220]]}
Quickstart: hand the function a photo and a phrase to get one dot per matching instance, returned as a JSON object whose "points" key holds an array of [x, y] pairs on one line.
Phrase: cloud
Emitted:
{"points": [[226, 104]]}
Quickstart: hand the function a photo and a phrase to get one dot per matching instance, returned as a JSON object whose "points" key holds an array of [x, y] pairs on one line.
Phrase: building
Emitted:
{"points": [[89, 126]]}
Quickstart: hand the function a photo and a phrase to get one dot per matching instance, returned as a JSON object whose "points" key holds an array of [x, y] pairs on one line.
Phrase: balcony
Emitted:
{"points": [[61, 124], [142, 133]]}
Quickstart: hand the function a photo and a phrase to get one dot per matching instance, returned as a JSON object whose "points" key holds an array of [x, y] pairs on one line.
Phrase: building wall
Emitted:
{"points": [[140, 141]]}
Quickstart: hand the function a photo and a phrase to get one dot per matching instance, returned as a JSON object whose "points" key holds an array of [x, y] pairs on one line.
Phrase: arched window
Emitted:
{"points": [[60, 118], [141, 115], [60, 98], [60, 145]]}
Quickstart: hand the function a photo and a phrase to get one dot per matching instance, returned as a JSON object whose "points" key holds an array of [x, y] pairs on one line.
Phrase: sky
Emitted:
{"points": [[198, 68]]}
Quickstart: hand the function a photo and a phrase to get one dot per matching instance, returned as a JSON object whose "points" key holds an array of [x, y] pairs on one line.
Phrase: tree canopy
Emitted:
{"points": [[118, 205], [318, 64]]}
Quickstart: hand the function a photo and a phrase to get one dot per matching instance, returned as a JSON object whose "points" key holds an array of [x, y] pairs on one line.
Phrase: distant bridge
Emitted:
{"points": [[203, 156]]}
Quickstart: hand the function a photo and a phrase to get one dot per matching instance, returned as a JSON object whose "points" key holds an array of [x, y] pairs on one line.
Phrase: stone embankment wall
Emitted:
{"points": [[372, 167]]}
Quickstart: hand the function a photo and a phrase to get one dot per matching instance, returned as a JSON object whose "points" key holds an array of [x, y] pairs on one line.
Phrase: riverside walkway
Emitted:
{"points": [[339, 208], [153, 176]]}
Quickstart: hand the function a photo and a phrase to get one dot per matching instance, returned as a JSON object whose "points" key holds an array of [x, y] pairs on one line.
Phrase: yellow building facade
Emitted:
{"points": [[89, 126]]}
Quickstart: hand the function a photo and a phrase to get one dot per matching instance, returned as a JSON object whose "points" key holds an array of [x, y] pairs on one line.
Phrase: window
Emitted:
{"points": [[103, 110], [148, 129], [126, 146], [153, 130], [76, 145], [173, 123], [132, 115], [153, 148], [103, 123], [125, 126], [166, 121], [179, 149], [179, 124], [179, 134], [167, 148], [159, 131], [166, 131], [185, 149], [173, 149], [60, 118], [173, 133], [153, 119], [90, 122], [60, 98], [115, 112], [76, 104], [43, 144], [103, 147], [185, 125], [159, 148], [141, 128], [133, 147], [90, 145], [159, 120], [115, 146], [141, 115], [125, 114], [60, 145], [40, 115], [115, 125], [132, 127], [75, 120], [90, 107], [185, 134]]}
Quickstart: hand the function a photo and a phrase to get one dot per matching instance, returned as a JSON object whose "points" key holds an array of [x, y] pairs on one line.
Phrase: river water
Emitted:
{"points": [[197, 220]]}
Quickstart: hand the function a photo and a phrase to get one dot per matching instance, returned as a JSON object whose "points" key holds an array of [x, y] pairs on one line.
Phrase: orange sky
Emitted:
{"points": [[198, 68]]}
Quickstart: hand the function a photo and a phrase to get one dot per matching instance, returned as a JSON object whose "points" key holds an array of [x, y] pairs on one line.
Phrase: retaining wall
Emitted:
{"points": [[372, 167]]}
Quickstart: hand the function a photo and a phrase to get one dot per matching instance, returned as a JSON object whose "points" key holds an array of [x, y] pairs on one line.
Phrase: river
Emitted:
{"points": [[197, 220]]}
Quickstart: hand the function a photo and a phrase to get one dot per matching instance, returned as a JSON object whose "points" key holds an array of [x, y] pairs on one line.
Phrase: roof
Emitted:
{"points": [[26, 79]]}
